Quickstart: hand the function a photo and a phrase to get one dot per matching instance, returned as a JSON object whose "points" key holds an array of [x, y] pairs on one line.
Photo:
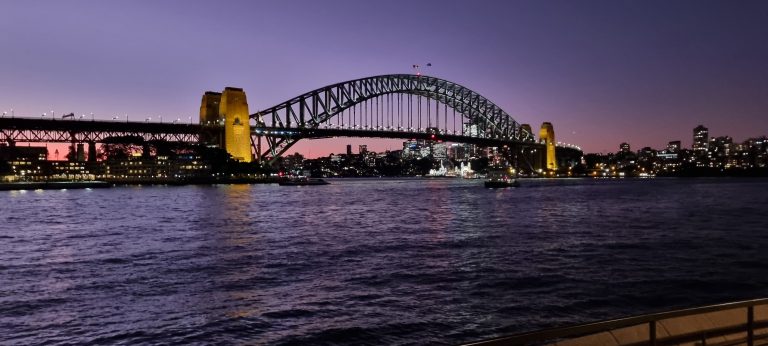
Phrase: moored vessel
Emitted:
{"points": [[302, 181], [499, 178]]}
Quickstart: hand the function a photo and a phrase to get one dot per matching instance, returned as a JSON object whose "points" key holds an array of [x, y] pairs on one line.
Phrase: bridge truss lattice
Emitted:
{"points": [[390, 104]]}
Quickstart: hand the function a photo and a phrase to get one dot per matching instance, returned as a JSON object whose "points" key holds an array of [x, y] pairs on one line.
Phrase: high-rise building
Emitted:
{"points": [[349, 149], [439, 151], [624, 148], [700, 140], [362, 149], [674, 146], [415, 148], [720, 150], [457, 152]]}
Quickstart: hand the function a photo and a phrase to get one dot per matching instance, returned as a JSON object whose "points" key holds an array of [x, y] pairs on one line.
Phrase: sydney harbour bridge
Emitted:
{"points": [[400, 106]]}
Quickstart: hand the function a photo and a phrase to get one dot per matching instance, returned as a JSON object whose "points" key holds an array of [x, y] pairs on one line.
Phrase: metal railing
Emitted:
{"points": [[698, 336]]}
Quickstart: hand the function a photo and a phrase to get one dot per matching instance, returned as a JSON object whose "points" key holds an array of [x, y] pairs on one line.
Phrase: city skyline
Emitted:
{"points": [[601, 72]]}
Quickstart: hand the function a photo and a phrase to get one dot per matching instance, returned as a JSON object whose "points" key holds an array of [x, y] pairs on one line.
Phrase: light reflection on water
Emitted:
{"points": [[368, 261]]}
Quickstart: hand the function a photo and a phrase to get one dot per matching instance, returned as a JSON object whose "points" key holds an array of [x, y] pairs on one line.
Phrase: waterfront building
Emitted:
{"points": [[439, 151], [23, 163], [755, 152], [700, 140], [720, 150], [458, 152], [154, 168], [416, 149], [667, 155], [72, 170], [293, 163], [28, 153]]}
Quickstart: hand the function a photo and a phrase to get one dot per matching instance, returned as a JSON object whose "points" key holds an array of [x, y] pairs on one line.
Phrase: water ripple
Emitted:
{"points": [[368, 262]]}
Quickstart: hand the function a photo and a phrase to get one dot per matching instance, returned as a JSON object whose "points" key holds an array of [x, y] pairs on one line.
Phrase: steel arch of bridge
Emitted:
{"points": [[314, 108]]}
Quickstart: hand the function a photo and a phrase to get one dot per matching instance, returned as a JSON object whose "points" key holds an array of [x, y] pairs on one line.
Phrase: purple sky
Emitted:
{"points": [[602, 72]]}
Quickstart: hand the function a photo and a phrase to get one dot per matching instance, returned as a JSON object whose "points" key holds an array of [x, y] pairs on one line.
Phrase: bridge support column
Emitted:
{"points": [[257, 147], [547, 137], [72, 154], [231, 106], [73, 146], [209, 116], [145, 150], [237, 127], [80, 152], [91, 151]]}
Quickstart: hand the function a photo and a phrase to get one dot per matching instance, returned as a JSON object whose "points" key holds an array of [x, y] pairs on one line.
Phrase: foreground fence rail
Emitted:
{"points": [[737, 323]]}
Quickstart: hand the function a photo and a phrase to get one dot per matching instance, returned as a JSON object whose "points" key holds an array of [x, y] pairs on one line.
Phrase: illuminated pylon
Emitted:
{"points": [[547, 137]]}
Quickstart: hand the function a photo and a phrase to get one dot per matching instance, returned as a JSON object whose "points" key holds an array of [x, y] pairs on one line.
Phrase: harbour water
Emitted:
{"points": [[370, 261]]}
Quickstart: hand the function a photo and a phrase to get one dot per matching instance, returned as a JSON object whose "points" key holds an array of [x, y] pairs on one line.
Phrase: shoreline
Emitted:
{"points": [[54, 185], [57, 185]]}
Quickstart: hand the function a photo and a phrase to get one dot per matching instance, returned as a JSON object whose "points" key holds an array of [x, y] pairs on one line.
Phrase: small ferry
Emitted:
{"points": [[499, 178], [302, 181]]}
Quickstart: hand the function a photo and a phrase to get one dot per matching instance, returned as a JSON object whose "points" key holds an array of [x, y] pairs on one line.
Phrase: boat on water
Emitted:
{"points": [[302, 181], [500, 178]]}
